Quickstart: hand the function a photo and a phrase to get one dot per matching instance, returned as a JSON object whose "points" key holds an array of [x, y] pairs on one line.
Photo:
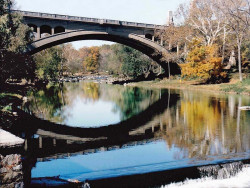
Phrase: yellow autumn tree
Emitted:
{"points": [[203, 62], [91, 62]]}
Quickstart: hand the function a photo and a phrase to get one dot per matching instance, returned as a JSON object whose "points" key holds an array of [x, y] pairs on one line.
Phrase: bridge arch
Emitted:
{"points": [[59, 29], [33, 27], [142, 44], [149, 36], [46, 29]]}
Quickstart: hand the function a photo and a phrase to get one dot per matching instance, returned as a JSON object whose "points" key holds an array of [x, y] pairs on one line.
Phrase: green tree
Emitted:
{"points": [[14, 37], [133, 62], [49, 63]]}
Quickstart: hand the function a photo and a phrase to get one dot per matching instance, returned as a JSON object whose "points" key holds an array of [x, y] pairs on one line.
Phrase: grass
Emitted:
{"points": [[7, 116], [234, 86], [6, 101], [239, 87]]}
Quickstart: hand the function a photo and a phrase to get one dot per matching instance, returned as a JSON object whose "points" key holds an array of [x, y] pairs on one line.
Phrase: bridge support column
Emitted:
{"points": [[40, 142], [162, 41], [52, 31], [38, 33], [54, 142], [161, 124], [25, 145]]}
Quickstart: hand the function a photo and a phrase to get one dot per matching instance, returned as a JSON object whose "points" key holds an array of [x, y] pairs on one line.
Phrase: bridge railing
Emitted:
{"points": [[86, 19]]}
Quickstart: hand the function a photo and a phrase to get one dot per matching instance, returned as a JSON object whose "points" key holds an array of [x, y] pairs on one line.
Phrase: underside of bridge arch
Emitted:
{"points": [[139, 43], [45, 29], [59, 29], [149, 36], [33, 27]]}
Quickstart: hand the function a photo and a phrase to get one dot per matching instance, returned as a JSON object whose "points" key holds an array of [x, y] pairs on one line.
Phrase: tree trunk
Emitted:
{"points": [[178, 50], [223, 47], [239, 57], [168, 71], [185, 48]]}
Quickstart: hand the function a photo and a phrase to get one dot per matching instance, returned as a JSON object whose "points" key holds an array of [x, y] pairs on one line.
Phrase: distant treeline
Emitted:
{"points": [[115, 59]]}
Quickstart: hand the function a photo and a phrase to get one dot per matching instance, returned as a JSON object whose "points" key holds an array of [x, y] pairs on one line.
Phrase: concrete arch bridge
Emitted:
{"points": [[63, 29]]}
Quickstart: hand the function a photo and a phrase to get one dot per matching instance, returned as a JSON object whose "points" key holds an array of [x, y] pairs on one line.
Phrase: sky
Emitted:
{"points": [[145, 11]]}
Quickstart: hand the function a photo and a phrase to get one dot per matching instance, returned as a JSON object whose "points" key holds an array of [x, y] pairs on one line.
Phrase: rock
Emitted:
{"points": [[244, 107], [11, 160], [18, 168], [12, 177], [3, 170], [11, 174]]}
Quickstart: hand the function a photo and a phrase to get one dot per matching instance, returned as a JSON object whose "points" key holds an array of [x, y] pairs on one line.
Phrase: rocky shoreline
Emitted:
{"points": [[80, 78], [11, 171]]}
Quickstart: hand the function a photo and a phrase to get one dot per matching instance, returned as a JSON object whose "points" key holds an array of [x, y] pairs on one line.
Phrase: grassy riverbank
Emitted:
{"points": [[11, 95], [234, 86]]}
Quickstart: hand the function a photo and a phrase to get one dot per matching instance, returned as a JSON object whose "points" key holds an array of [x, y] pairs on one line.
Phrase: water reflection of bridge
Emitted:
{"points": [[53, 139]]}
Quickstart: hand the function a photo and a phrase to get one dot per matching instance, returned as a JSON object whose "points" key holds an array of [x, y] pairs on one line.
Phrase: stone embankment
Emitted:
{"points": [[11, 173], [98, 78], [112, 80]]}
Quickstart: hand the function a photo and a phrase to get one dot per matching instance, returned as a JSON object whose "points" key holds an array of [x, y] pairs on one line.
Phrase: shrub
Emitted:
{"points": [[203, 62]]}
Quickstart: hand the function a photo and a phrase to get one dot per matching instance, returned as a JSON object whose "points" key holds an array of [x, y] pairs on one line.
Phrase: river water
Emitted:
{"points": [[120, 135]]}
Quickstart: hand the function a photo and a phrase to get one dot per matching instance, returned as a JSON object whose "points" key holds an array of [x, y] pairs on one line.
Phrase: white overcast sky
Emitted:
{"points": [[145, 11]]}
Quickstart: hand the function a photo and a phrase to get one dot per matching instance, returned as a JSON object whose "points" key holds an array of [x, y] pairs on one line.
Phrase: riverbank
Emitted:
{"points": [[12, 96], [233, 87]]}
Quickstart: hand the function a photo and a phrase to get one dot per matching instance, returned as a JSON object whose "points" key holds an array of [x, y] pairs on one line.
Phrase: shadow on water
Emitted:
{"points": [[169, 139]]}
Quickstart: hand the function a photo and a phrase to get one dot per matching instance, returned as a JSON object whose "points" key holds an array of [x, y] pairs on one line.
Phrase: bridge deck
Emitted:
{"points": [[88, 20]]}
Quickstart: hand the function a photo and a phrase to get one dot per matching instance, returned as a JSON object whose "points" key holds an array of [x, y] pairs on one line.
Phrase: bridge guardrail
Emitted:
{"points": [[86, 19]]}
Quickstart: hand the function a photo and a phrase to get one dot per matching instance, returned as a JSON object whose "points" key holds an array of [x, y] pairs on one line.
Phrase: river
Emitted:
{"points": [[114, 135]]}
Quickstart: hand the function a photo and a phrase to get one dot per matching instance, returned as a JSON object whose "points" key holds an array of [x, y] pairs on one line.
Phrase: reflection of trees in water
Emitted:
{"points": [[202, 125], [91, 90], [129, 100], [48, 103]]}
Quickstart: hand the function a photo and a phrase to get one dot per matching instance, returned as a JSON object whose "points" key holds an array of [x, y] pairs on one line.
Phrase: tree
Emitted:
{"points": [[111, 57], [133, 63], [238, 19], [203, 62], [73, 60], [49, 63], [246, 54], [207, 20], [14, 37], [91, 63]]}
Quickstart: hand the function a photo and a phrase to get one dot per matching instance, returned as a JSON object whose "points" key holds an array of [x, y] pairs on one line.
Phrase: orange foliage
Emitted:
{"points": [[91, 63], [203, 62]]}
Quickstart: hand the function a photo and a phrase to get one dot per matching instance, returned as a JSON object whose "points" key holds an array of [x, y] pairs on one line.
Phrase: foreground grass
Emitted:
{"points": [[234, 86], [7, 116], [239, 87]]}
